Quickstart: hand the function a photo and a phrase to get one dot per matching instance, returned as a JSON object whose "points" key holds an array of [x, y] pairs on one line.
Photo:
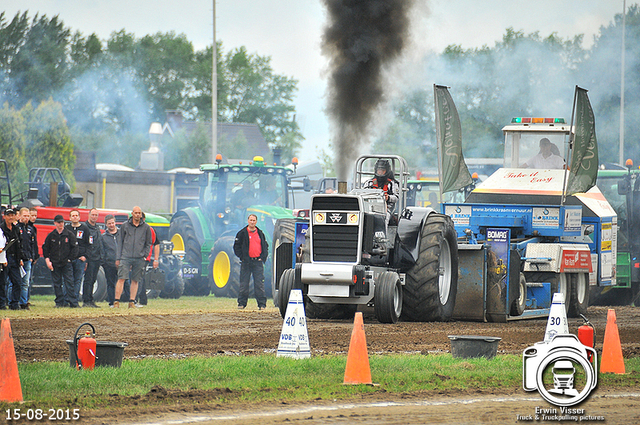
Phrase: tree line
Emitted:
{"points": [[107, 92], [522, 75], [103, 94]]}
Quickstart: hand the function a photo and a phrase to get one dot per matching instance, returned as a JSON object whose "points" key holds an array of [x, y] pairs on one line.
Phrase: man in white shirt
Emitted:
{"points": [[546, 159]]}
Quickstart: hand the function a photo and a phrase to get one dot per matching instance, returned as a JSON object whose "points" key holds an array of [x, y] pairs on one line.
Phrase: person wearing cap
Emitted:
{"points": [[14, 258], [546, 159], [60, 248]]}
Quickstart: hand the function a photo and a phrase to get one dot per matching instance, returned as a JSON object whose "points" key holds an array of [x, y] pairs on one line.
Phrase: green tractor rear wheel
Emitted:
{"points": [[183, 236], [224, 269]]}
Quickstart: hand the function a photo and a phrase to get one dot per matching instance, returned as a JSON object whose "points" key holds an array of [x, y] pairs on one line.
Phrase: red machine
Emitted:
{"points": [[85, 348], [44, 222]]}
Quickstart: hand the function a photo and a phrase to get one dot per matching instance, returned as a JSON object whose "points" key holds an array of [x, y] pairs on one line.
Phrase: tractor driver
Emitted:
{"points": [[548, 157], [268, 193], [384, 179], [245, 197]]}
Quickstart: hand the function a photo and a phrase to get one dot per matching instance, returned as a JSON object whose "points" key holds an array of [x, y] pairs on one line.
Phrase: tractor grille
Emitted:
{"points": [[335, 203], [335, 243]]}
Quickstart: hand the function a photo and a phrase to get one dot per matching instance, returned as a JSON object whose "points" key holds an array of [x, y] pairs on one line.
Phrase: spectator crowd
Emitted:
{"points": [[73, 253]]}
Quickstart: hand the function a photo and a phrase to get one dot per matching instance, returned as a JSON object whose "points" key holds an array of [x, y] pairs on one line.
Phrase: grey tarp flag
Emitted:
{"points": [[454, 174], [584, 155]]}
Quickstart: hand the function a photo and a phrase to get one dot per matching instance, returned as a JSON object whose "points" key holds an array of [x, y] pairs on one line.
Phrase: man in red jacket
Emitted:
{"points": [[252, 249]]}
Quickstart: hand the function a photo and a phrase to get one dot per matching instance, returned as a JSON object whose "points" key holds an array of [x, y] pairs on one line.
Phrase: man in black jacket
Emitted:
{"points": [[252, 249], [92, 254], [109, 248], [78, 264], [14, 257], [29, 240], [59, 250]]}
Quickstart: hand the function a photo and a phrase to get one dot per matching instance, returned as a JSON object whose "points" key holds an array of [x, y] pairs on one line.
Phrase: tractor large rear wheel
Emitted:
{"points": [[431, 285], [183, 235], [579, 300], [224, 269], [284, 232], [287, 281]]}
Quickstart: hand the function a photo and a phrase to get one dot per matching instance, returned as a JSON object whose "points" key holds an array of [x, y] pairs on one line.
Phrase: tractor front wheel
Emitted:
{"points": [[388, 297]]}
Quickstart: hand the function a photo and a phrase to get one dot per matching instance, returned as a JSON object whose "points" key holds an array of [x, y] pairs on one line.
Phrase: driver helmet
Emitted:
{"points": [[383, 171]]}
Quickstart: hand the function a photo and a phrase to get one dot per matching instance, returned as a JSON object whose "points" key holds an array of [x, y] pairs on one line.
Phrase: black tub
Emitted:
{"points": [[108, 353], [471, 346]]}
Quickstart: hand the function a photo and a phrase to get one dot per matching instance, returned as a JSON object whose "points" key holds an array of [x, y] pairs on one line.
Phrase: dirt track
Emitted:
{"points": [[251, 332], [254, 332]]}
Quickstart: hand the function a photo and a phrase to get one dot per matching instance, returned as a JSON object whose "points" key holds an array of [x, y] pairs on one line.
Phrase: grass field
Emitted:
{"points": [[257, 378], [266, 378], [44, 307]]}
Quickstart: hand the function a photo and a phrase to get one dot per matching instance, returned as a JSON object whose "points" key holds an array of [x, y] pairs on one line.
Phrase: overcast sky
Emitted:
{"points": [[290, 31]]}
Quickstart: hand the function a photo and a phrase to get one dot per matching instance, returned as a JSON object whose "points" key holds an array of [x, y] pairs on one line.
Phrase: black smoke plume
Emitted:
{"points": [[362, 37]]}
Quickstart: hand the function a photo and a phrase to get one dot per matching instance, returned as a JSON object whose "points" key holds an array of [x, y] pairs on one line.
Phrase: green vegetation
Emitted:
{"points": [[523, 74], [229, 379], [111, 90], [44, 307]]}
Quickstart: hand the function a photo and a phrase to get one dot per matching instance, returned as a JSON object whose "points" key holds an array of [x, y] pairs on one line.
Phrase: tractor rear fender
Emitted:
{"points": [[409, 227]]}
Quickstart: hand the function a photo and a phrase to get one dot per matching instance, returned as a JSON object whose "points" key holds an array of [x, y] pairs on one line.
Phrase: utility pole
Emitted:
{"points": [[624, 14], [214, 92]]}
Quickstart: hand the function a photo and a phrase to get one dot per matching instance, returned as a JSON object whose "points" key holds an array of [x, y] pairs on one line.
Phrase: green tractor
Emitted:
{"points": [[621, 187], [206, 232]]}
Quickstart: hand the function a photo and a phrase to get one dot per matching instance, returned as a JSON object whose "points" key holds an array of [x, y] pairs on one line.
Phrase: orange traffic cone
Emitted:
{"points": [[10, 389], [357, 370], [612, 361]]}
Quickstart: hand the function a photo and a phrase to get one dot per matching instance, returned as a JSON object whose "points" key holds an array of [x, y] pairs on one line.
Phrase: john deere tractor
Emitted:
{"points": [[206, 232]]}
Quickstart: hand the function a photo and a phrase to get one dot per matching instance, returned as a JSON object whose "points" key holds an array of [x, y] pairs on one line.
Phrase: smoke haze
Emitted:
{"points": [[362, 38]]}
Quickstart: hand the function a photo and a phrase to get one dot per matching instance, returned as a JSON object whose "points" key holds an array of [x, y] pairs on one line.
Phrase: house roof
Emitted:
{"points": [[256, 144]]}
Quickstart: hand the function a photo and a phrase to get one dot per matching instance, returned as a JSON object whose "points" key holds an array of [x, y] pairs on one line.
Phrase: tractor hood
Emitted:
{"points": [[271, 211], [518, 186]]}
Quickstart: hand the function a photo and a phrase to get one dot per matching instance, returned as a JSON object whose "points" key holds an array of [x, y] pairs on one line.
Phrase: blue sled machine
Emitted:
{"points": [[518, 243]]}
